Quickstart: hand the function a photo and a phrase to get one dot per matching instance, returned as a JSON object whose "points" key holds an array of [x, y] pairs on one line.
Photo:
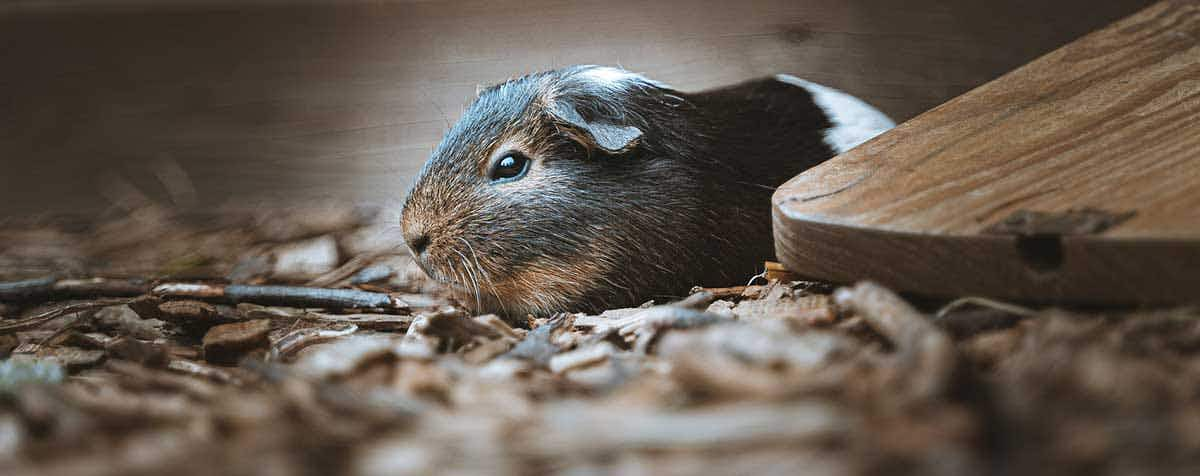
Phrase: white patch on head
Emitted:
{"points": [[854, 121], [616, 78]]}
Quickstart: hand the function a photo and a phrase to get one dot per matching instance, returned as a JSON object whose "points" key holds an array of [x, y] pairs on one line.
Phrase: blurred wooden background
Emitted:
{"points": [[276, 102]]}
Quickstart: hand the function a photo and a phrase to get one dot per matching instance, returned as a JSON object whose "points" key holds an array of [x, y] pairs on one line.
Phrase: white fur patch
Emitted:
{"points": [[854, 121], [615, 78]]}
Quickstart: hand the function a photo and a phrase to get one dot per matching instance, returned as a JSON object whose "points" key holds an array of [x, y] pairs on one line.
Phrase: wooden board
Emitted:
{"points": [[1110, 122], [297, 100]]}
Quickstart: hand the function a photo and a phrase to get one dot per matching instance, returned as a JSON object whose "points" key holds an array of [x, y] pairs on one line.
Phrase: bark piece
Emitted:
{"points": [[539, 347], [194, 313], [447, 330], [146, 353], [227, 343], [582, 357], [125, 321], [342, 356], [776, 272], [580, 430], [73, 359], [926, 354], [217, 374]]}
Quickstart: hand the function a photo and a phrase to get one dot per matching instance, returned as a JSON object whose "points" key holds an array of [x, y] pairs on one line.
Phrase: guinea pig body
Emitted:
{"points": [[591, 187]]}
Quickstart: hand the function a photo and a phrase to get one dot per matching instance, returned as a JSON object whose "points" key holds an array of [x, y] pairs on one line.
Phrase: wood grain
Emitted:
{"points": [[283, 102], [1109, 122]]}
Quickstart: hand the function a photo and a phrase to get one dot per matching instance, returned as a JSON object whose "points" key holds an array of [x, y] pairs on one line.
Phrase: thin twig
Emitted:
{"points": [[299, 339], [38, 320], [292, 296], [26, 289], [51, 287], [721, 293]]}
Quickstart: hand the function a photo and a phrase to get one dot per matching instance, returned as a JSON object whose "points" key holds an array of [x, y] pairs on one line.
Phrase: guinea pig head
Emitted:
{"points": [[547, 190]]}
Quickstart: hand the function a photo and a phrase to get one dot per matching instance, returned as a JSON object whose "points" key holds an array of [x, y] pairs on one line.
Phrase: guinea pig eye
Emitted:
{"points": [[510, 167]]}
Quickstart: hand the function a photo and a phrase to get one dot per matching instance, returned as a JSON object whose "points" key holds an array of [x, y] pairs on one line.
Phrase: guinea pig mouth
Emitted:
{"points": [[469, 289], [468, 283], [434, 275], [443, 279], [424, 267]]}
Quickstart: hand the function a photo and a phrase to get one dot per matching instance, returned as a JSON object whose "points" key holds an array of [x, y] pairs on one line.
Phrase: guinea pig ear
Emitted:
{"points": [[611, 138]]}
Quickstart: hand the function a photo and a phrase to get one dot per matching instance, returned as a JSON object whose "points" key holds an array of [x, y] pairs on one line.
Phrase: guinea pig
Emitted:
{"points": [[591, 187]]}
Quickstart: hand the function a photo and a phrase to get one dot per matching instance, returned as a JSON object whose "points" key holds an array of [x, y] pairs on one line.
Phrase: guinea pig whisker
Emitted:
{"points": [[499, 301], [429, 271], [460, 279], [759, 185], [474, 286], [487, 275], [473, 255], [473, 282]]}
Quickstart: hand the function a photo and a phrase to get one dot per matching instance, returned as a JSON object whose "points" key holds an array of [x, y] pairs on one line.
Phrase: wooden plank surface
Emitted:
{"points": [[1110, 122], [290, 101]]}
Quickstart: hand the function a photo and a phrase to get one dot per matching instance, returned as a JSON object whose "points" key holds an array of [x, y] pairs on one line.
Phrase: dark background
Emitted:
{"points": [[277, 103]]}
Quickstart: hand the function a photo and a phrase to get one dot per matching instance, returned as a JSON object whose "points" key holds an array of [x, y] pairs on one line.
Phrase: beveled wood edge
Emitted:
{"points": [[1090, 269]]}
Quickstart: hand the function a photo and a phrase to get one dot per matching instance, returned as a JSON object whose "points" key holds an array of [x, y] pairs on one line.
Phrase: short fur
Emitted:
{"points": [[636, 191]]}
